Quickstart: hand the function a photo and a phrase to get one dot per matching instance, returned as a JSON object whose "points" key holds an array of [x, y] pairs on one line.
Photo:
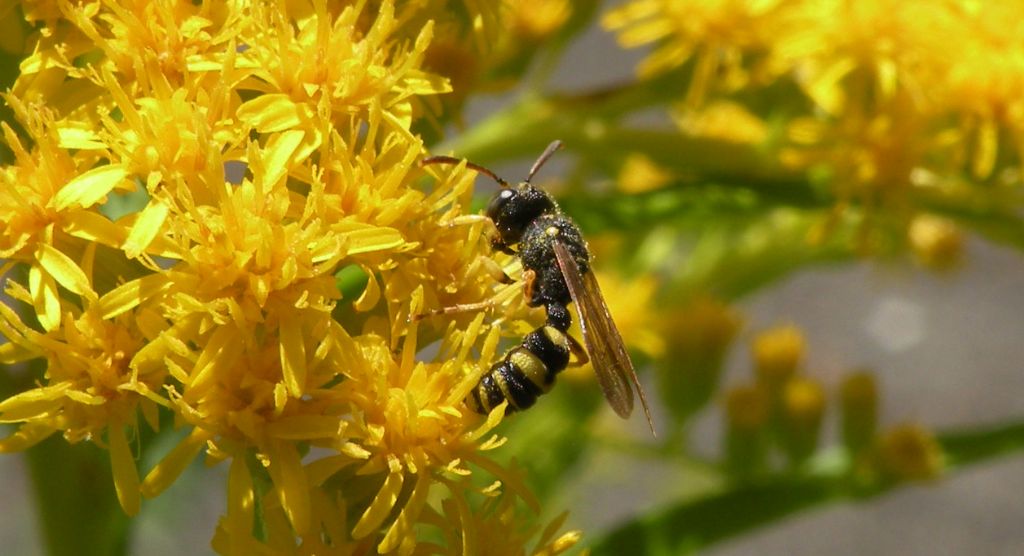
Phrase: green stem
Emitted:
{"points": [[78, 510], [741, 508]]}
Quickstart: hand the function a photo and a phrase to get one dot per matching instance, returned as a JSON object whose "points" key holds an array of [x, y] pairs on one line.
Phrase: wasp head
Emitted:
{"points": [[512, 209]]}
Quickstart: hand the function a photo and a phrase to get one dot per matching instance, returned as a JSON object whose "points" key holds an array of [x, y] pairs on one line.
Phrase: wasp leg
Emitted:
{"points": [[491, 233], [495, 271], [496, 299], [467, 219], [529, 277], [456, 309], [501, 246], [579, 351]]}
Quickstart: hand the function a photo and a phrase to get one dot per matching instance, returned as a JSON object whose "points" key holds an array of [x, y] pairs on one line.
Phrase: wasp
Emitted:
{"points": [[556, 272]]}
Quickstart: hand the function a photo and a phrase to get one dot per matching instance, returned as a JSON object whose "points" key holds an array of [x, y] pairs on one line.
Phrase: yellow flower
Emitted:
{"points": [[91, 391], [724, 121], [313, 68], [717, 35], [640, 174], [887, 92], [268, 147], [533, 20], [47, 202], [498, 520]]}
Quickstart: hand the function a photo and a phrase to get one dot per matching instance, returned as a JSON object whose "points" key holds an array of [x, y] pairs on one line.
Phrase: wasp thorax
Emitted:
{"points": [[513, 209]]}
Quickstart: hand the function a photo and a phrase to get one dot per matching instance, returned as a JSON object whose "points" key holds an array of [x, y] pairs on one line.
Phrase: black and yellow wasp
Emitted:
{"points": [[556, 271]]}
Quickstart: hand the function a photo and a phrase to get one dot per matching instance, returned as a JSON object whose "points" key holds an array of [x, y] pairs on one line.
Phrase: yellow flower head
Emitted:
{"points": [[718, 35], [266, 148]]}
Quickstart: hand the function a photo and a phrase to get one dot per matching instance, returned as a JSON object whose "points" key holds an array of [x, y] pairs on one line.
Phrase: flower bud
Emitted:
{"points": [[937, 242], [802, 407], [858, 397], [909, 452], [778, 352], [698, 337], [747, 410]]}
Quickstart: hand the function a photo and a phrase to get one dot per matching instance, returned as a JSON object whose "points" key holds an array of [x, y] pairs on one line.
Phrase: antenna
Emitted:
{"points": [[544, 156], [441, 159]]}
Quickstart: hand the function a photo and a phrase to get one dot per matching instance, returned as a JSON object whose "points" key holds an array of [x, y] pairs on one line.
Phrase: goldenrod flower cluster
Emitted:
{"points": [[877, 100], [187, 181]]}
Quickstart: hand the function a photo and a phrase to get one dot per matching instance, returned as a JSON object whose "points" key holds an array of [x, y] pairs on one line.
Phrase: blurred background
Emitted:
{"points": [[945, 347]]}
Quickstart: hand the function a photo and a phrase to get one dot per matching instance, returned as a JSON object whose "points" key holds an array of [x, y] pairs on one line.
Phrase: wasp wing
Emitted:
{"points": [[604, 344]]}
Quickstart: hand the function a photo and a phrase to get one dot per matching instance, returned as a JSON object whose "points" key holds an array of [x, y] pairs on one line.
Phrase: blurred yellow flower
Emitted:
{"points": [[868, 94], [936, 242], [722, 120], [802, 410], [536, 19], [909, 452], [640, 174], [778, 354], [718, 36]]}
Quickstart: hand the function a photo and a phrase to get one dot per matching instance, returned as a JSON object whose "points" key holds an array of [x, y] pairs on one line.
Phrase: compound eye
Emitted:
{"points": [[498, 203]]}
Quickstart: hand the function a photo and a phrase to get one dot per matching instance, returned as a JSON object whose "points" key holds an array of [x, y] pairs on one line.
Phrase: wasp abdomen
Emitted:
{"points": [[526, 372]]}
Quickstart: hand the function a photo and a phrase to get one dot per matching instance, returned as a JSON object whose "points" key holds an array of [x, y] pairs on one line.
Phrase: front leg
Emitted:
{"points": [[501, 246]]}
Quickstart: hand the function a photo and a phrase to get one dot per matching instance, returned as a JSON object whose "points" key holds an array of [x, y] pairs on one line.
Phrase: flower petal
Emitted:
{"points": [[25, 437], [291, 484], [370, 295], [129, 295], [381, 506], [240, 502], [79, 138], [273, 112], [278, 155], [403, 526], [92, 226], [88, 188], [293, 357], [44, 298], [32, 404], [126, 476], [171, 467], [64, 270], [147, 226]]}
